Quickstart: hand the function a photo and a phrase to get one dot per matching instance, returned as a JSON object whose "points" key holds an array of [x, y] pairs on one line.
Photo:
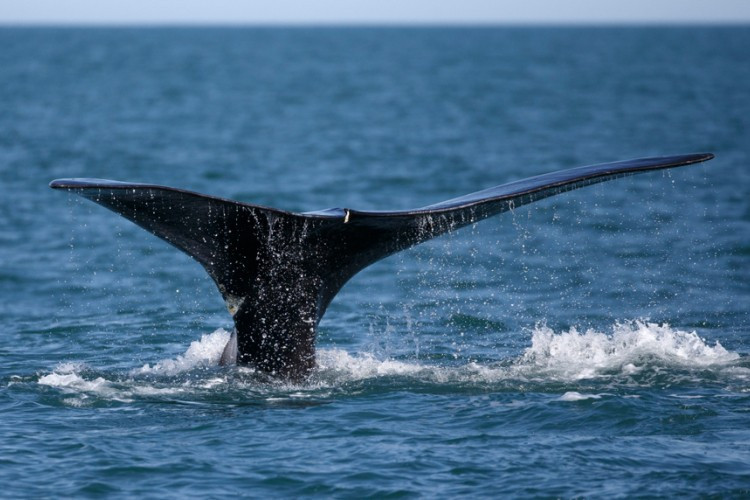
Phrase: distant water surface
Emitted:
{"points": [[593, 344]]}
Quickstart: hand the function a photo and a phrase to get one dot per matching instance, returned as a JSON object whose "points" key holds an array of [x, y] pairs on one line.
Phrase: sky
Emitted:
{"points": [[372, 11]]}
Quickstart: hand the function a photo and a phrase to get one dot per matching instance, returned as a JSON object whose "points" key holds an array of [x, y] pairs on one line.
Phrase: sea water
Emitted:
{"points": [[591, 344]]}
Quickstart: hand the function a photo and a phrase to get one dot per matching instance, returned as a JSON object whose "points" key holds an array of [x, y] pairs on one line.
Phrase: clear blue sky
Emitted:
{"points": [[372, 11]]}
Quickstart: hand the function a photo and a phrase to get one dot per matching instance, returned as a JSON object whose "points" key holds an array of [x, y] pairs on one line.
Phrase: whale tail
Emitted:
{"points": [[278, 271]]}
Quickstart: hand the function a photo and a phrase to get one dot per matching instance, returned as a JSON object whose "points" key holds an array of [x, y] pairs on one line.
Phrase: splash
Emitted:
{"points": [[628, 351], [336, 362], [71, 379], [82, 386], [577, 396], [76, 382], [201, 353], [571, 356]]}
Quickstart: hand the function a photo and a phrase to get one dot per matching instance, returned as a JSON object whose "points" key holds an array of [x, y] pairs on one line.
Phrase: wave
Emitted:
{"points": [[632, 352]]}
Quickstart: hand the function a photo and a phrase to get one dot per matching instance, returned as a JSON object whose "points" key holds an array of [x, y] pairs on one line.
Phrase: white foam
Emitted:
{"points": [[73, 383], [204, 352], [569, 356], [631, 345], [362, 366], [577, 396], [72, 378]]}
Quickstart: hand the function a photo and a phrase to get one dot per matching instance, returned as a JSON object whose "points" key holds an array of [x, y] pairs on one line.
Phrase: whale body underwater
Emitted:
{"points": [[278, 271]]}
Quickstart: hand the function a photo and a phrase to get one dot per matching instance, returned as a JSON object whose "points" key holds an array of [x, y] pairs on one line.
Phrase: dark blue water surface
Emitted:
{"points": [[592, 344]]}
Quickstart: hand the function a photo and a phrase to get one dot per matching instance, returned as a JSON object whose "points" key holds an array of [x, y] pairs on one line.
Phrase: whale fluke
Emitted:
{"points": [[278, 271]]}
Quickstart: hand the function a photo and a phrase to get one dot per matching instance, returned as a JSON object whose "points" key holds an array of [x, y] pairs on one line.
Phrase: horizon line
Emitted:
{"points": [[374, 24]]}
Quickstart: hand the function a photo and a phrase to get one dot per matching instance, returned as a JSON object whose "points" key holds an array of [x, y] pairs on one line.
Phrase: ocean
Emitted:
{"points": [[593, 344]]}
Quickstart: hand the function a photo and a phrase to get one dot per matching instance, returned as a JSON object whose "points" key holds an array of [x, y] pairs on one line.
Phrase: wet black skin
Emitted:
{"points": [[278, 271]]}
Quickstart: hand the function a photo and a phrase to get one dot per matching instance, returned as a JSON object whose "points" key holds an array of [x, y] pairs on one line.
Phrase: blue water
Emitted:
{"points": [[592, 344]]}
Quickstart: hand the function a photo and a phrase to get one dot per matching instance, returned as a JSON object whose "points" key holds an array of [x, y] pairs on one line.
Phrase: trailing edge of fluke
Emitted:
{"points": [[278, 271]]}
